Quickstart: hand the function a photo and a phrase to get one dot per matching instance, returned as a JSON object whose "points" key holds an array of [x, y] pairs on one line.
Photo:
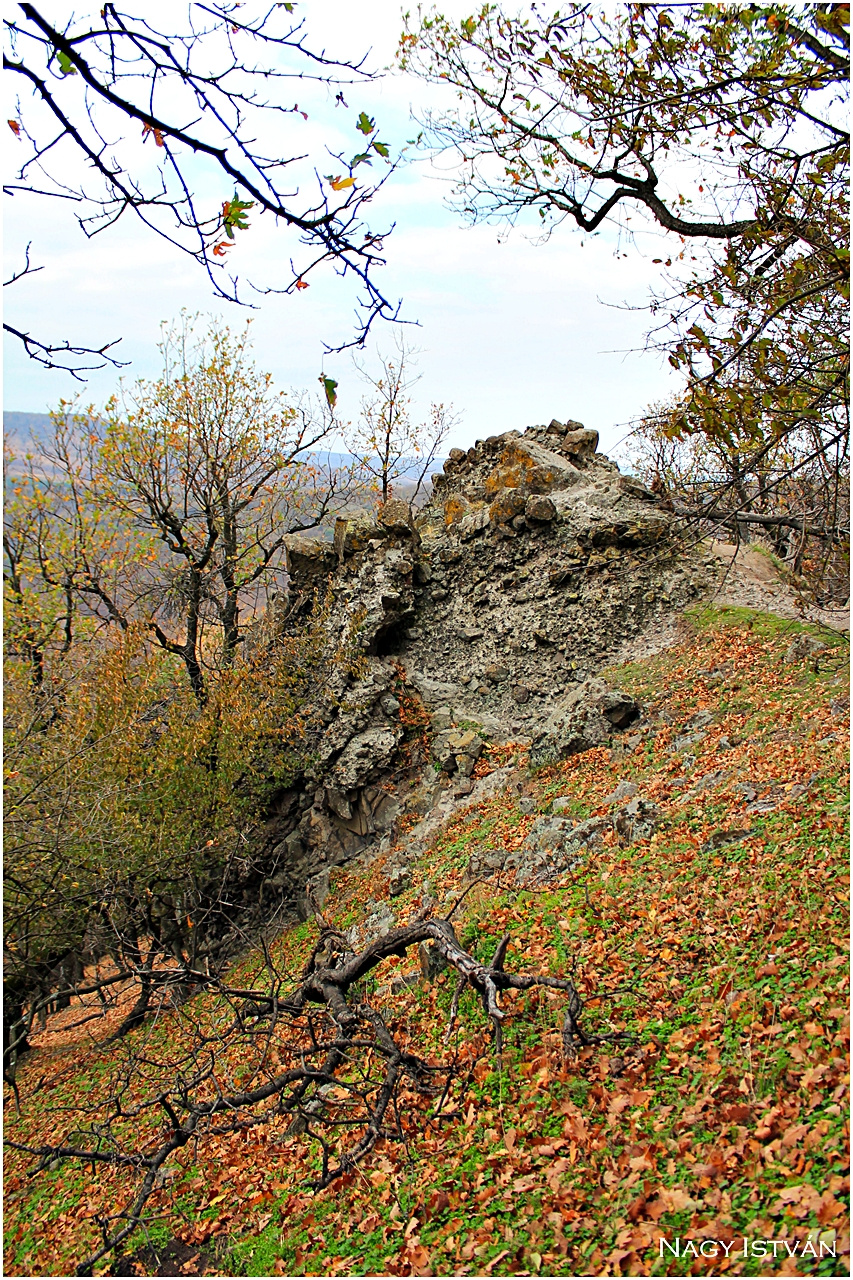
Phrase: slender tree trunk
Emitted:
{"points": [[230, 611], [35, 654], [743, 501], [230, 629], [32, 650], [189, 651], [15, 1041]]}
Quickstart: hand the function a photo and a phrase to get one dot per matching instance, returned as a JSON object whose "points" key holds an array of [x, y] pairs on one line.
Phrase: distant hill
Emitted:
{"points": [[20, 428]]}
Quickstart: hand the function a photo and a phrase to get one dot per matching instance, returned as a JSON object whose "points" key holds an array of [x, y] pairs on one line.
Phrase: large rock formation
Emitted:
{"points": [[533, 562]]}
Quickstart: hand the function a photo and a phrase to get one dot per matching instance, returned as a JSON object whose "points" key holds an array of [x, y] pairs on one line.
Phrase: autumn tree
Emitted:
{"points": [[39, 603], [389, 442], [142, 745], [129, 813], [68, 560], [186, 120], [219, 467], [171, 507], [721, 129]]}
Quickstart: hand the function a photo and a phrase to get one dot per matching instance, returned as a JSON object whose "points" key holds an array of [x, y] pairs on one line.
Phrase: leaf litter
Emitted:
{"points": [[724, 960]]}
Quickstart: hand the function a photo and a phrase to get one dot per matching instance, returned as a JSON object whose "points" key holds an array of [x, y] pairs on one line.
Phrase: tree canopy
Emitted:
{"points": [[170, 507], [144, 544], [717, 125]]}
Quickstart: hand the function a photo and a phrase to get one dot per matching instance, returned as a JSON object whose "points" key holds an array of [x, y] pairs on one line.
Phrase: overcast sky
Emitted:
{"points": [[512, 332]]}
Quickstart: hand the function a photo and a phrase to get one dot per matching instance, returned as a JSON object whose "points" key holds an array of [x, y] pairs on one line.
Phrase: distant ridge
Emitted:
{"points": [[19, 428]]}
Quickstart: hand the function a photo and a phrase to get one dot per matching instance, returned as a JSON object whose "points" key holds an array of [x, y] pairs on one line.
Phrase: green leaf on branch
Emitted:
{"points": [[364, 123], [234, 215], [66, 66], [330, 390]]}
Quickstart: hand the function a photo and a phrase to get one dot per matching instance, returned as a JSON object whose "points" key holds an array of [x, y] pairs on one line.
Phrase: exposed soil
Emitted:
{"points": [[173, 1259], [751, 579]]}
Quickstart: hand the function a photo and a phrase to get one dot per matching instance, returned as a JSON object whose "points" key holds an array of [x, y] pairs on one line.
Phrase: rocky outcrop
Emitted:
{"points": [[587, 716], [555, 845], [538, 561], [532, 563]]}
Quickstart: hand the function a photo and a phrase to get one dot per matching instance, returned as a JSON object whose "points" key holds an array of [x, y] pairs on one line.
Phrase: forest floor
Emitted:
{"points": [[718, 944]]}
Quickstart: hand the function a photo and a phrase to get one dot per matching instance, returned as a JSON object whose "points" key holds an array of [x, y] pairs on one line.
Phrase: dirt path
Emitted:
{"points": [[750, 578]]}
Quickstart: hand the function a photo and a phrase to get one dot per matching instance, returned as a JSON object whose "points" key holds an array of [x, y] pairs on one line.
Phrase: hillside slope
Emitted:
{"points": [[691, 878]]}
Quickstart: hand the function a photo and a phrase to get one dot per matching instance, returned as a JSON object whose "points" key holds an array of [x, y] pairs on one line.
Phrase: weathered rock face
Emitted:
{"points": [[538, 560], [345, 801], [532, 563]]}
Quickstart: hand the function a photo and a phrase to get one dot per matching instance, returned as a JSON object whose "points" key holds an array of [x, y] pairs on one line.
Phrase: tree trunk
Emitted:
{"points": [[195, 674], [230, 611], [230, 616], [189, 652]]}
